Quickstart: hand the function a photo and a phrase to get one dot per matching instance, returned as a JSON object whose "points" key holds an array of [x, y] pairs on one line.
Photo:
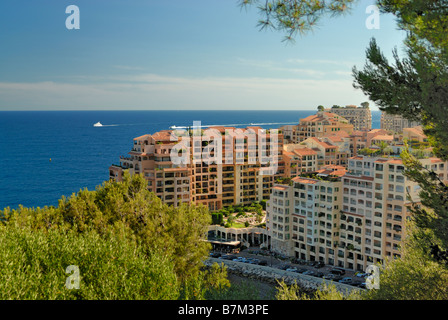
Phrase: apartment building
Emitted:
{"points": [[329, 151], [375, 207], [241, 180], [414, 134], [298, 160], [287, 131], [302, 217], [319, 125], [349, 219], [358, 141], [359, 117], [396, 123]]}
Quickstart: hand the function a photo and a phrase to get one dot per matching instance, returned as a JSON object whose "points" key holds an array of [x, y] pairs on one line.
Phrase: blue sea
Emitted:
{"points": [[81, 153]]}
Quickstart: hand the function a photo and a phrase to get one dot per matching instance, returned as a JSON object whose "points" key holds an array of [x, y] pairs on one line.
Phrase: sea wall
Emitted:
{"points": [[308, 284]]}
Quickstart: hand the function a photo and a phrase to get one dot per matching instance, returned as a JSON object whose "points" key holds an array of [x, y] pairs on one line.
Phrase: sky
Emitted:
{"points": [[177, 55]]}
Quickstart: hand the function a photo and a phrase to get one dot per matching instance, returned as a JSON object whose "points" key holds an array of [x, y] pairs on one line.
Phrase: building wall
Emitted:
{"points": [[360, 118]]}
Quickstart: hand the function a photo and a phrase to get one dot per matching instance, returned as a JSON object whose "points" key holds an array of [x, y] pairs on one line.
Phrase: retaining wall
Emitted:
{"points": [[306, 283]]}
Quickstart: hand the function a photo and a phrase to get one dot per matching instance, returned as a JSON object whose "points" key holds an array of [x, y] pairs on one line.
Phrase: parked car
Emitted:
{"points": [[362, 285], [292, 269], [285, 266], [319, 265], [308, 273], [332, 277], [215, 254], [361, 274], [318, 274], [252, 261], [301, 270], [338, 271], [346, 280], [240, 259], [262, 263], [329, 276], [227, 257], [337, 278]]}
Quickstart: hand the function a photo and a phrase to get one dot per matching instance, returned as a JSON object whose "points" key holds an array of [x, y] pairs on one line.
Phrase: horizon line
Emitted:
{"points": [[208, 110]]}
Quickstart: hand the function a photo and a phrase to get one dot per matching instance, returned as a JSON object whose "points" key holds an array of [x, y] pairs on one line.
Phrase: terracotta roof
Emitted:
{"points": [[304, 180], [279, 187], [335, 138], [165, 135], [143, 137], [322, 143], [333, 170], [416, 130], [395, 161], [359, 177], [305, 152], [383, 137]]}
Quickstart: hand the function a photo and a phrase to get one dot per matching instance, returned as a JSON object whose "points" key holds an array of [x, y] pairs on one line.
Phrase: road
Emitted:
{"points": [[278, 262]]}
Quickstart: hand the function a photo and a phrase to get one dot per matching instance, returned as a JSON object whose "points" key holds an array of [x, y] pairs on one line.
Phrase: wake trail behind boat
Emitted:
{"points": [[234, 124]]}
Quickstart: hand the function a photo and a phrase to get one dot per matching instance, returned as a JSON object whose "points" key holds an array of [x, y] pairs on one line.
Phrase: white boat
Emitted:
{"points": [[98, 124], [173, 127]]}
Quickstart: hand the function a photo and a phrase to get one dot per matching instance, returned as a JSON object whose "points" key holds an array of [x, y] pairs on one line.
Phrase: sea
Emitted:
{"points": [[49, 154]]}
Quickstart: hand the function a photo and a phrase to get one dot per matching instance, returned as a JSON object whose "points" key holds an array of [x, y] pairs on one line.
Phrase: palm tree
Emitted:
{"points": [[384, 148]]}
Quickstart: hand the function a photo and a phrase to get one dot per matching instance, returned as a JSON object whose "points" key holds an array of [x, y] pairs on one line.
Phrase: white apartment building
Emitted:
{"points": [[302, 217], [348, 219], [375, 198], [360, 118], [396, 123]]}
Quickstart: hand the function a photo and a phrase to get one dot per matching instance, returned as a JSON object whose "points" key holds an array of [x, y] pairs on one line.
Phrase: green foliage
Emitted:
{"points": [[217, 217], [127, 210], [297, 16], [33, 265], [415, 276], [326, 292], [432, 214]]}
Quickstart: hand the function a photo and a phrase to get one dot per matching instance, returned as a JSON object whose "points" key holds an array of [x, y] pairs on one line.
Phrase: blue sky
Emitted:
{"points": [[177, 54]]}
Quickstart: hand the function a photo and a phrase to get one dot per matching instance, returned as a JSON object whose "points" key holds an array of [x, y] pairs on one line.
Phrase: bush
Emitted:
{"points": [[33, 265], [111, 234]]}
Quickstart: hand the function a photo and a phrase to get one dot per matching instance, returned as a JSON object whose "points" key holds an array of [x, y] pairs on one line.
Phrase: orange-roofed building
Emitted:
{"points": [[319, 125], [414, 134], [302, 217], [360, 118], [299, 160], [328, 153], [237, 179]]}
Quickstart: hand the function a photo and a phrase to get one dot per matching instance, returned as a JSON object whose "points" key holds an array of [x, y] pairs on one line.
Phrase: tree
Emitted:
{"points": [[320, 108], [33, 264], [296, 16], [415, 87], [365, 105], [127, 210]]}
